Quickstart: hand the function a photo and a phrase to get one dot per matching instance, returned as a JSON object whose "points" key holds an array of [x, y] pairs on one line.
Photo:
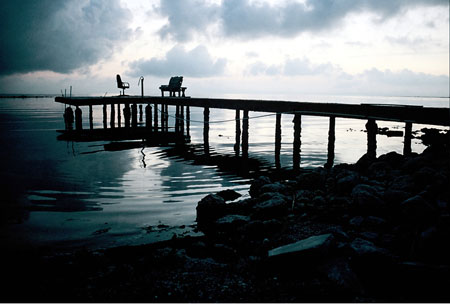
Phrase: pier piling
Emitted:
{"points": [[105, 117], [278, 140], [238, 133], [297, 141], [91, 118], [407, 139], [245, 134], [372, 128], [331, 141], [206, 130]]}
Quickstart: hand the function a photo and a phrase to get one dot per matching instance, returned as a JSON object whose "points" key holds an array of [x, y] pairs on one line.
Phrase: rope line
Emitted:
{"points": [[226, 120]]}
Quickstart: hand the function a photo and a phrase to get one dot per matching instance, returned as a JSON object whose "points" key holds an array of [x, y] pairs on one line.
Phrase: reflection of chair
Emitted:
{"points": [[173, 87], [122, 85]]}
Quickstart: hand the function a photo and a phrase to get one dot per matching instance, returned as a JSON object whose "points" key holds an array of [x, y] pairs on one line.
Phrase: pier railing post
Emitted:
{"points": [[237, 143], [105, 117], [245, 134], [113, 115], [134, 115], [372, 128], [140, 113], [126, 115], [188, 121], [278, 140], [119, 116], [91, 118], [407, 140], [297, 141], [155, 124], [331, 141], [206, 130], [148, 117]]}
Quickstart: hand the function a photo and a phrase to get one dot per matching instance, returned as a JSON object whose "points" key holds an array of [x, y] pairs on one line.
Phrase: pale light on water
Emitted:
{"points": [[78, 193]]}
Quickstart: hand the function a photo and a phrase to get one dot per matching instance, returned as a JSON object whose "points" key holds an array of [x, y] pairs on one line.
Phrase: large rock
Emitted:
{"points": [[228, 195], [209, 209], [275, 187], [346, 183], [318, 244], [311, 180], [257, 184], [416, 210], [367, 197], [273, 207], [231, 222]]}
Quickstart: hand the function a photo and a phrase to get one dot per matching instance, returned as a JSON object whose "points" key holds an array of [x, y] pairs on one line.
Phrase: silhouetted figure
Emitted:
{"points": [[78, 119], [68, 118], [126, 115]]}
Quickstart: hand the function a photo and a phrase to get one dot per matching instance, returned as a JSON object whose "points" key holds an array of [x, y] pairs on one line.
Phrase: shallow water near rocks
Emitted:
{"points": [[63, 194]]}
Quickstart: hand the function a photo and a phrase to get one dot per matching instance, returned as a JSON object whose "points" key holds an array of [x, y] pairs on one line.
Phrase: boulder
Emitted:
{"points": [[314, 245], [394, 159], [345, 184], [257, 184], [416, 210], [367, 197], [275, 187], [361, 247], [209, 209], [379, 170], [231, 222], [273, 207], [228, 195], [311, 180]]}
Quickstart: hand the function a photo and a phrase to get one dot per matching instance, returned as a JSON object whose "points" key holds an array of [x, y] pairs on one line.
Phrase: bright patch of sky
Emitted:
{"points": [[229, 47]]}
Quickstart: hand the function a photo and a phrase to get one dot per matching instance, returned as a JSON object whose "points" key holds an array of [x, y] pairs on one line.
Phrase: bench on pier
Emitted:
{"points": [[122, 85], [173, 87]]}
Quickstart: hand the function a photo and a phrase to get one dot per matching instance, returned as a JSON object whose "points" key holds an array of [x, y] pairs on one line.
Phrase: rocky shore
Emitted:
{"points": [[374, 231]]}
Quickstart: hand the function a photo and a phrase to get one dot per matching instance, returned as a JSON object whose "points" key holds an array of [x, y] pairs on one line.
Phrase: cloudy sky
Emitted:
{"points": [[257, 48]]}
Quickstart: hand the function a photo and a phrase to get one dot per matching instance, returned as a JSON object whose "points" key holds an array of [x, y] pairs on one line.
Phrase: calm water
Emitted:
{"points": [[66, 193]]}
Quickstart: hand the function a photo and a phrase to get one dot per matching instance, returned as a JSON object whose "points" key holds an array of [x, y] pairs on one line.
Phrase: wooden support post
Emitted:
{"points": [[407, 140], [372, 128], [167, 117], [181, 119], [113, 117], [78, 119], [134, 115], [278, 140], [206, 130], [91, 118], [119, 116], [331, 141], [105, 117], [140, 113], [297, 141], [177, 119], [148, 117], [245, 134], [163, 117], [155, 124], [127, 114], [237, 143], [188, 121]]}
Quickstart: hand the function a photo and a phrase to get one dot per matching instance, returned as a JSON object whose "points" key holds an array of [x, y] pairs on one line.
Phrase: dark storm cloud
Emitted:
{"points": [[245, 19], [194, 63], [59, 36]]}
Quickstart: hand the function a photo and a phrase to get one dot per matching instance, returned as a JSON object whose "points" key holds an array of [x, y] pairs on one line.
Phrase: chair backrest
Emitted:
{"points": [[175, 82], [119, 82]]}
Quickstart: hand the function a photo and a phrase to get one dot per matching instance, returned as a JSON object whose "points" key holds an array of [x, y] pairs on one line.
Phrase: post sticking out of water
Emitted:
{"points": [[78, 119], [105, 117], [331, 141], [148, 117], [297, 141], [140, 113], [188, 123], [238, 133], [245, 134], [119, 116], [134, 115], [156, 117], [91, 118], [206, 130], [407, 140], [278, 140], [113, 117], [372, 128]]}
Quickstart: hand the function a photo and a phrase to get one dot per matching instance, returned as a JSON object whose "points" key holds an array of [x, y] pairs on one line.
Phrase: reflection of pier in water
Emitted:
{"points": [[157, 130]]}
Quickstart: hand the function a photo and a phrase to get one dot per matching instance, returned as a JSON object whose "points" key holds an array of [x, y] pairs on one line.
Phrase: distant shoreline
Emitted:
{"points": [[28, 96]]}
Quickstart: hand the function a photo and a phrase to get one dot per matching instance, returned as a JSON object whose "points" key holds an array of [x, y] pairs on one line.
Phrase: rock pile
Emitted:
{"points": [[379, 228]]}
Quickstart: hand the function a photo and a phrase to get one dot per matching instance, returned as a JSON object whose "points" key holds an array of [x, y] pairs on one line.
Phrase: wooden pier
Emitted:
{"points": [[156, 118]]}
